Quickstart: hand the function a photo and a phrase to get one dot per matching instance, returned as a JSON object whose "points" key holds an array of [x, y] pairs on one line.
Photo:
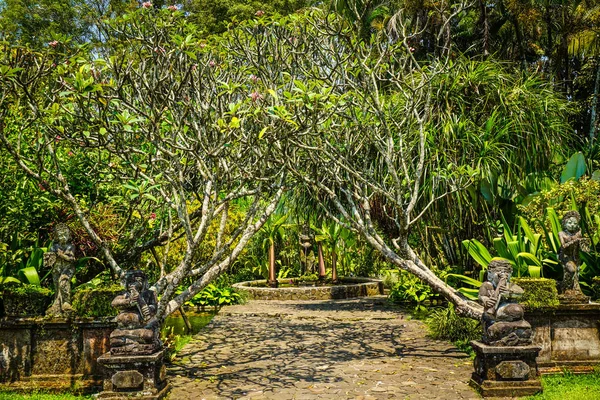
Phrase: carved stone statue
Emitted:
{"points": [[568, 254], [502, 320], [137, 328], [61, 258]]}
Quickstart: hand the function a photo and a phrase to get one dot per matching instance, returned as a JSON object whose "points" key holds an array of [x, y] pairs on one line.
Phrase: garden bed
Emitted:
{"points": [[346, 289]]}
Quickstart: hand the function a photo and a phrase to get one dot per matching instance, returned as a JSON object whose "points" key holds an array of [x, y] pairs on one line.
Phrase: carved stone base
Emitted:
{"points": [[139, 377], [505, 371]]}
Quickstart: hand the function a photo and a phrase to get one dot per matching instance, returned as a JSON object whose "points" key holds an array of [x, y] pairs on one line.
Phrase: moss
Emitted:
{"points": [[25, 300], [538, 292], [92, 303]]}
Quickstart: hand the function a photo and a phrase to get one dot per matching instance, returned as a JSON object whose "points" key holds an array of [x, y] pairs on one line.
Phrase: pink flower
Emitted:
{"points": [[53, 43], [70, 154], [153, 216], [212, 63], [255, 96], [194, 67], [254, 78], [147, 4], [411, 49], [58, 137], [172, 8], [259, 13]]}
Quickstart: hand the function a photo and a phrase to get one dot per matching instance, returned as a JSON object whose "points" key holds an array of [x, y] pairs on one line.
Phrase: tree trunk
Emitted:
{"points": [[272, 277], [334, 277], [186, 321], [322, 271]]}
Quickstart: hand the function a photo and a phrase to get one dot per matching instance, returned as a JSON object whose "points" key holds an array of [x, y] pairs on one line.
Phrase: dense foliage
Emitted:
{"points": [[193, 140]]}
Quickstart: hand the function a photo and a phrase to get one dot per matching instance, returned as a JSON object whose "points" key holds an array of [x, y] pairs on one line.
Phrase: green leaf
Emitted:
{"points": [[534, 238], [9, 279], [501, 249], [478, 251], [575, 168], [529, 259], [471, 294], [29, 275], [234, 123], [262, 132], [466, 279], [486, 191], [535, 272], [596, 175]]}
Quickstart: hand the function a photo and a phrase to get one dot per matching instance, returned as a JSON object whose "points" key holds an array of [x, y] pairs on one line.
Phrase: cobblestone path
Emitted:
{"points": [[344, 349]]}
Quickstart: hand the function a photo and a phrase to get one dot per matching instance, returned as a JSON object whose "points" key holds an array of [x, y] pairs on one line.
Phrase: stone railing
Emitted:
{"points": [[348, 288]]}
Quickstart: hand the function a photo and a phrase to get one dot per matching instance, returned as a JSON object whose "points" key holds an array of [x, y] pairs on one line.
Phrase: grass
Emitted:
{"points": [[569, 387], [40, 396]]}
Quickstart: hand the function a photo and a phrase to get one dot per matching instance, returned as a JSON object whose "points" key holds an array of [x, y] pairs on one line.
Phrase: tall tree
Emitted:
{"points": [[173, 134]]}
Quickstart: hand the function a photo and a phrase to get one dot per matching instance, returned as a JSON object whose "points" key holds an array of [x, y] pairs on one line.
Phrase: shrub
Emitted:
{"points": [[538, 292], [25, 300], [216, 297], [410, 289], [96, 302], [445, 324]]}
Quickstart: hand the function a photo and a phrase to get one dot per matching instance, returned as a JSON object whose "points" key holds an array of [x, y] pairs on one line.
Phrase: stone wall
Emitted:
{"points": [[52, 355], [349, 288], [569, 336]]}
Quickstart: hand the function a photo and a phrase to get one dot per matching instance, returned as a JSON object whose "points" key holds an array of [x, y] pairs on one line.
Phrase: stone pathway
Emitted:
{"points": [[343, 349]]}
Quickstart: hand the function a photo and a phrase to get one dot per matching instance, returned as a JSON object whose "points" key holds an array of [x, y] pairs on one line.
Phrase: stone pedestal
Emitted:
{"points": [[505, 371], [130, 376]]}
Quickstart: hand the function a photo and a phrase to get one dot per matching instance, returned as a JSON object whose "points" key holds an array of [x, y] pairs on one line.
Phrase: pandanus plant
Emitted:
{"points": [[274, 229], [330, 235]]}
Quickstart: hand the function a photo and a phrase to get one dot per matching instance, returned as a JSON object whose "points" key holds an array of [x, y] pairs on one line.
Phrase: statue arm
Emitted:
{"points": [[68, 254], [486, 295], [121, 302]]}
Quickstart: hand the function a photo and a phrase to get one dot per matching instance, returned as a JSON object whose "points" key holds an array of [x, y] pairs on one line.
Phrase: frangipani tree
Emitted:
{"points": [[173, 130], [381, 131]]}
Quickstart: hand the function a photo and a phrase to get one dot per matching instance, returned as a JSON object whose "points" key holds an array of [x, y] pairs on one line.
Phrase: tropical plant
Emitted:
{"points": [[523, 250], [330, 235], [21, 264], [274, 229], [216, 297], [445, 324], [409, 288]]}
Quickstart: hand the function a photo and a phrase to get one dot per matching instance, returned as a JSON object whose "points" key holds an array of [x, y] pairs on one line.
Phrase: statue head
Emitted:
{"points": [[62, 233], [136, 279], [570, 222], [498, 269]]}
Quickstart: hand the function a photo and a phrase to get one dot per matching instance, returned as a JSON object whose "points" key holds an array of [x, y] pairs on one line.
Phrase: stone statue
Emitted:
{"points": [[137, 328], [502, 320], [61, 258], [568, 254]]}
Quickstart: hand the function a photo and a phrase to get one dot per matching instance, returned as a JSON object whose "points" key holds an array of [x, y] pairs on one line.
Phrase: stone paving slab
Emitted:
{"points": [[338, 349]]}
